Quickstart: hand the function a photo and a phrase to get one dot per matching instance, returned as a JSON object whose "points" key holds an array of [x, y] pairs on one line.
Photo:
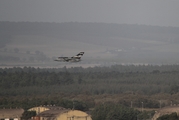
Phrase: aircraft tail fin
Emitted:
{"points": [[79, 55]]}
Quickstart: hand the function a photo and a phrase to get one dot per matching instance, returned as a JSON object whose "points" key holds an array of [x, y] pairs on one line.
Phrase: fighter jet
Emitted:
{"points": [[75, 58]]}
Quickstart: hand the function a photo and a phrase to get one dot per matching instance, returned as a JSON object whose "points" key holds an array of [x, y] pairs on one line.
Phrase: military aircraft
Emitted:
{"points": [[75, 58]]}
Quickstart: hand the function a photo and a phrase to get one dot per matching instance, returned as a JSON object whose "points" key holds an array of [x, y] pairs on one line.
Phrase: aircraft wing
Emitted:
{"points": [[63, 59]]}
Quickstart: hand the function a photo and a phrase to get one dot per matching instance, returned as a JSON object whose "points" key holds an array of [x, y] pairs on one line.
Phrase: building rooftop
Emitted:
{"points": [[11, 113], [53, 113]]}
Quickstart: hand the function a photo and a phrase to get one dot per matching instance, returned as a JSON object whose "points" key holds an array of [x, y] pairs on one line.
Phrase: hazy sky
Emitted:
{"points": [[148, 12]]}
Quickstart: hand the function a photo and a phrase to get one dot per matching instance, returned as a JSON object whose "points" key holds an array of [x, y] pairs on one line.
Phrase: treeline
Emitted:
{"points": [[112, 92], [111, 111], [113, 68], [106, 110], [27, 103], [154, 86], [98, 80], [22, 79]]}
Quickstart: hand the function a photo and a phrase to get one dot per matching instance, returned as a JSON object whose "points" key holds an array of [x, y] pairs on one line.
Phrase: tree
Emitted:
{"points": [[172, 116], [79, 80], [28, 114], [174, 89], [111, 111], [80, 105]]}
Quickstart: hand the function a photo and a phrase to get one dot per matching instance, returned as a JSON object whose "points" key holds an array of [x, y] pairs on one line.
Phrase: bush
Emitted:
{"points": [[172, 116]]}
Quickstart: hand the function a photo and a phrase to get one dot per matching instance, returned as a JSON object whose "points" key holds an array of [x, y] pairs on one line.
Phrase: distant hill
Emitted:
{"points": [[121, 43], [79, 31]]}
